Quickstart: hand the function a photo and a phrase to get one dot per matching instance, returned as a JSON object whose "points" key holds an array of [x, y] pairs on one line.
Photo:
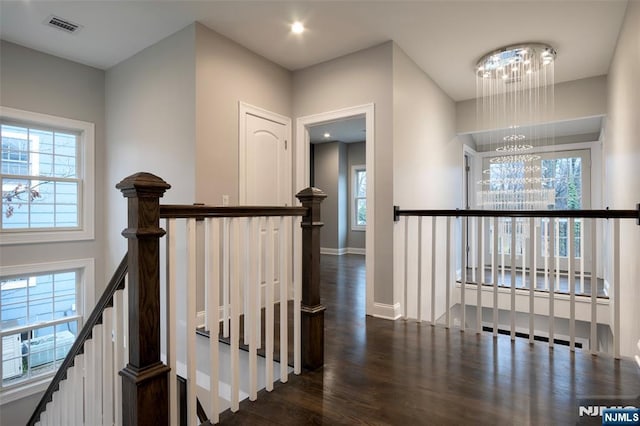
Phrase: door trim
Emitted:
{"points": [[245, 109], [303, 168]]}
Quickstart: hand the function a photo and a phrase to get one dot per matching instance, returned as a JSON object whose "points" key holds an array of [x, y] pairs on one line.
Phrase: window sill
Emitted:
{"points": [[359, 228], [22, 391], [35, 237]]}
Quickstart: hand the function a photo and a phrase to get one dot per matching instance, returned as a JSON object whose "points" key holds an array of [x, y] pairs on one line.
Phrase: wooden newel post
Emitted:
{"points": [[145, 396], [312, 310]]}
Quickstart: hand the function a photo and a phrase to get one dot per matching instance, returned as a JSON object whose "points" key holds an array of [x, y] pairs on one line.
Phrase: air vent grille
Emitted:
{"points": [[62, 24]]}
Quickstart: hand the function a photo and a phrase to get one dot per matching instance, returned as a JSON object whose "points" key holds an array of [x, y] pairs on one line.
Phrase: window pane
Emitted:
{"points": [[361, 183], [12, 365], [361, 211], [43, 201], [41, 349], [565, 176]]}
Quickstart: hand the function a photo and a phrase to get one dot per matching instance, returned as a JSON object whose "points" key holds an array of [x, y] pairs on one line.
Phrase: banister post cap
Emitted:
{"points": [[143, 184], [310, 194]]}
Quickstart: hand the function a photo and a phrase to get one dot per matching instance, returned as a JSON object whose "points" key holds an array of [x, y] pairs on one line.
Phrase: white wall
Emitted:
{"points": [[622, 158], [37, 82], [150, 116], [227, 73], [573, 99], [357, 79], [427, 155]]}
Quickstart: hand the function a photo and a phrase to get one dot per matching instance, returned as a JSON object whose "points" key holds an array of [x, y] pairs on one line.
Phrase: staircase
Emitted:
{"points": [[138, 358]]}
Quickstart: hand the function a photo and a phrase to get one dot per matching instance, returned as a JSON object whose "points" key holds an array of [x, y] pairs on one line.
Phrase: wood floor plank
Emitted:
{"points": [[380, 372]]}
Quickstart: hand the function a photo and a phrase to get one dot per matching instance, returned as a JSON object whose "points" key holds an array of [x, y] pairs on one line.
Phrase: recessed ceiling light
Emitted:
{"points": [[327, 135], [297, 27]]}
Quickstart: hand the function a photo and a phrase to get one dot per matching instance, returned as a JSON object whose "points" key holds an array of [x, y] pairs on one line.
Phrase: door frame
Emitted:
{"points": [[303, 168], [245, 109]]}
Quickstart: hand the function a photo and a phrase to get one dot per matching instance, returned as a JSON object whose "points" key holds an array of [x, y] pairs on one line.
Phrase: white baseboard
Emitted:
{"points": [[356, 250], [341, 251], [385, 311], [332, 251]]}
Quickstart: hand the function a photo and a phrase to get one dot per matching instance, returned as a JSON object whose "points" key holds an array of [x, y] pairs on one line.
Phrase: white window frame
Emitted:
{"points": [[84, 297], [86, 161], [354, 199]]}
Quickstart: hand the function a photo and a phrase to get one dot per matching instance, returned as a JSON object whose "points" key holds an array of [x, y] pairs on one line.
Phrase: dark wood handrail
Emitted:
{"points": [[106, 300], [175, 211], [600, 214]]}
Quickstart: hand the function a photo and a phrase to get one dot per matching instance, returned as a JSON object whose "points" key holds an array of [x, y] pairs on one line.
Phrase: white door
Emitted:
{"points": [[267, 171], [265, 179]]}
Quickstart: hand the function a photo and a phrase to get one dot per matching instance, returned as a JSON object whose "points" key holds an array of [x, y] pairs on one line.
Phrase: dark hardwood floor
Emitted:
{"points": [[382, 372]]}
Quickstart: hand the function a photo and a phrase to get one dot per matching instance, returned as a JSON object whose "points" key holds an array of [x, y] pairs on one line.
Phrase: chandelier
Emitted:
{"points": [[514, 92]]}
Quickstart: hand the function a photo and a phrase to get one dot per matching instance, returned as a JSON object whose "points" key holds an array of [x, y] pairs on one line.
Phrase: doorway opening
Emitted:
{"points": [[341, 164]]}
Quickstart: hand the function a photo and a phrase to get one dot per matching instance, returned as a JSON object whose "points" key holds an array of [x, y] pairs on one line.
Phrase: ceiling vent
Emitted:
{"points": [[62, 24]]}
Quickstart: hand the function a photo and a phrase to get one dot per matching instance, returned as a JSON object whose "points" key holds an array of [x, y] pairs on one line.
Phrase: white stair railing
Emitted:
{"points": [[238, 253], [518, 265]]}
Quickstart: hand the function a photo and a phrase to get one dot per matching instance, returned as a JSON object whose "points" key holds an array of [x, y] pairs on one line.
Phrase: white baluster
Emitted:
{"points": [[192, 257], [405, 306], [107, 367], [234, 290], [118, 353], [226, 266], [494, 275], [448, 246], [572, 286], [463, 272], [269, 290], [71, 405], [616, 288], [92, 372], [593, 345], [55, 409], [533, 275], [77, 386], [172, 320], [212, 282], [514, 257], [479, 274], [583, 236], [552, 252], [61, 405], [297, 293], [252, 286], [419, 318], [433, 269], [285, 255]]}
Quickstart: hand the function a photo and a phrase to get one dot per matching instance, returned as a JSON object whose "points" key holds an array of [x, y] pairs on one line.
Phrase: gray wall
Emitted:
{"points": [[355, 156], [37, 82], [327, 177], [150, 114], [622, 157], [427, 155], [227, 73], [586, 97], [332, 173], [357, 79]]}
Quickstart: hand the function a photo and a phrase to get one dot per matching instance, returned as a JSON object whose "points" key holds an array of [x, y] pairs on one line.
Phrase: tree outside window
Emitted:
{"points": [[359, 217]]}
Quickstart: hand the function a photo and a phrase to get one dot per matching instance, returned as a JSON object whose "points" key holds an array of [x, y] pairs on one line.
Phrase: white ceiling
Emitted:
{"points": [[347, 131], [444, 38]]}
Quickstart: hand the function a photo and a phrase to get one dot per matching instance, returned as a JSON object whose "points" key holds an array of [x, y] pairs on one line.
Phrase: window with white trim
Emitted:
{"points": [[46, 174], [359, 194], [41, 310]]}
